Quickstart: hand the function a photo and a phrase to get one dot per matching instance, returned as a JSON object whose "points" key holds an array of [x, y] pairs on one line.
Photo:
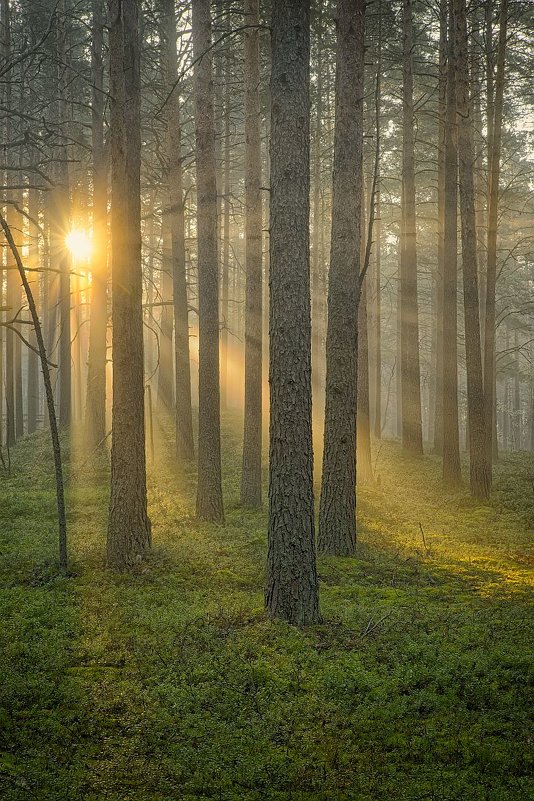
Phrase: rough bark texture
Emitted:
{"points": [[494, 154], [451, 436], [337, 510], [185, 450], [252, 432], [292, 591], [129, 526], [209, 488], [95, 412], [412, 434], [479, 475]]}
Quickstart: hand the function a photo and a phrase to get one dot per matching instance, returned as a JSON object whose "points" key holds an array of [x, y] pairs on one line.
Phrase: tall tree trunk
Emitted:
{"points": [[252, 432], [292, 590], [95, 411], [60, 220], [438, 281], [209, 488], [337, 510], [479, 473], [493, 211], [33, 359], [316, 252], [129, 532], [184, 421], [451, 436], [412, 433], [377, 230]]}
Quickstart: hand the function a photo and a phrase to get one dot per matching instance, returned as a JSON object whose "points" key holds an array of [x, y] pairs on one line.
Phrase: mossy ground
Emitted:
{"points": [[171, 684]]}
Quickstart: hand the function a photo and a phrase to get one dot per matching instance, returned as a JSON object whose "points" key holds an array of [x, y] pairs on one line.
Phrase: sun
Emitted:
{"points": [[79, 244]]}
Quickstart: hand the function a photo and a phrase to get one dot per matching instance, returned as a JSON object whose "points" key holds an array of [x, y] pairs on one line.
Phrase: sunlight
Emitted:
{"points": [[79, 244]]}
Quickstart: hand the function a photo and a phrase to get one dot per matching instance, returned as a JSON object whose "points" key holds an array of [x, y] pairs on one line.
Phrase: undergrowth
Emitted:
{"points": [[170, 683]]}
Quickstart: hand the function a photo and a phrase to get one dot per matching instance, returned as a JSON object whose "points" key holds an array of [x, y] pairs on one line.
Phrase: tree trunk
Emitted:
{"points": [[451, 436], [337, 511], [437, 445], [129, 532], [479, 474], [185, 450], [412, 434], [209, 488], [292, 591], [33, 359], [95, 411], [493, 211], [252, 432]]}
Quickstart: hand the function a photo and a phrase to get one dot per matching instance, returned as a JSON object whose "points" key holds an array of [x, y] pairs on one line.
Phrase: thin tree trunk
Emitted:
{"points": [[337, 510], [493, 211], [479, 473], [185, 450], [438, 281], [129, 532], [412, 433], [33, 364], [451, 436], [252, 432], [95, 411], [292, 591], [209, 488]]}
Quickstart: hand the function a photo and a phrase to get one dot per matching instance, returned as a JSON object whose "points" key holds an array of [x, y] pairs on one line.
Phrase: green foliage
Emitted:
{"points": [[170, 683]]}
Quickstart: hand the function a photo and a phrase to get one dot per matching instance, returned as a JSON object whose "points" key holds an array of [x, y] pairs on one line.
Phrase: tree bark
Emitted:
{"points": [[209, 488], [292, 591], [451, 436], [95, 411], [337, 510], [252, 432], [129, 532], [493, 211], [412, 434], [479, 473], [185, 450]]}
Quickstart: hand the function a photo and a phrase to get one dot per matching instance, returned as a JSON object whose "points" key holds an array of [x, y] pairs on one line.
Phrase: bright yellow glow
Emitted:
{"points": [[79, 244]]}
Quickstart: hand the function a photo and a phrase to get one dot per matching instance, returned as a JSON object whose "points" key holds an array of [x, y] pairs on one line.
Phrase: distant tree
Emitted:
{"points": [[292, 591], [337, 510], [129, 532], [449, 360], [252, 435], [182, 388], [412, 432], [479, 475], [209, 488], [95, 413]]}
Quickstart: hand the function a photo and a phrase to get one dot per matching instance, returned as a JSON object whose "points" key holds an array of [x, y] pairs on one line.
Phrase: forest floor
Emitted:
{"points": [[171, 684]]}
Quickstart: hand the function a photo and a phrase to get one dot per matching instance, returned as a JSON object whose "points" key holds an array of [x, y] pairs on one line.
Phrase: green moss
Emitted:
{"points": [[170, 683]]}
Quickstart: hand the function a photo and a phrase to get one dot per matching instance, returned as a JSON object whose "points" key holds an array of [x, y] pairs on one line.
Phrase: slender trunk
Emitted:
{"points": [[412, 434], [451, 437], [479, 472], [292, 591], [493, 211], [377, 231], [185, 450], [337, 511], [209, 488], [95, 410], [33, 363], [252, 432], [438, 282]]}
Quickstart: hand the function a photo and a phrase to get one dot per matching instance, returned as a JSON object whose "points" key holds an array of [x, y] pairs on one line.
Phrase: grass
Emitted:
{"points": [[171, 684]]}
